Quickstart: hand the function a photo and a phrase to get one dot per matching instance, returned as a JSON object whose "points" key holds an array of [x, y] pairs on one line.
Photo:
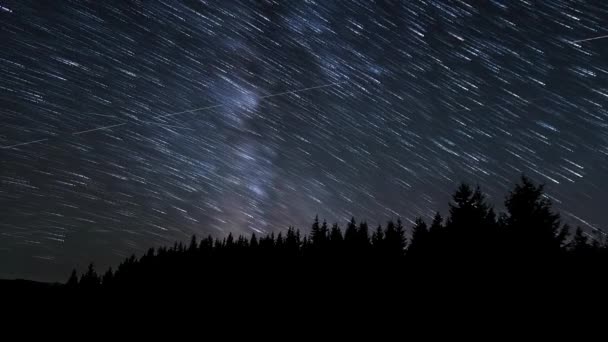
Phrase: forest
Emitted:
{"points": [[528, 240]]}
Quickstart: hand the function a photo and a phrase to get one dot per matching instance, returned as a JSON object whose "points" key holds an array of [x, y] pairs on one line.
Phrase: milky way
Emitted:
{"points": [[131, 124]]}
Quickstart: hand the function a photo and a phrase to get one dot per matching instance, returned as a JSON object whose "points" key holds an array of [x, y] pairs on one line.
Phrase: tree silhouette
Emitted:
{"points": [[531, 222], [350, 234], [580, 244], [362, 238], [315, 231], [90, 280], [336, 241], [108, 277], [253, 242], [293, 242], [335, 235], [324, 235], [193, 244], [73, 280], [378, 239], [420, 237], [471, 237], [437, 223], [394, 239]]}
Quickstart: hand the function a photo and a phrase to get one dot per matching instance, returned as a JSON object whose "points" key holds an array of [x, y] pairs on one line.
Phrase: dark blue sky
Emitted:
{"points": [[421, 95]]}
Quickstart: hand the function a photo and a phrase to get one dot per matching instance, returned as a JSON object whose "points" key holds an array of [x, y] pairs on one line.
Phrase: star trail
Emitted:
{"points": [[131, 124]]}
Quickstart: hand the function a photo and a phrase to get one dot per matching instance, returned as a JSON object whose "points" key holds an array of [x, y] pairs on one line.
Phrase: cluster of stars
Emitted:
{"points": [[131, 125]]}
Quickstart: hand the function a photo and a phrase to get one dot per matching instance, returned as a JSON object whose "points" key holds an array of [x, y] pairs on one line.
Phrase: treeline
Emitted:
{"points": [[529, 235]]}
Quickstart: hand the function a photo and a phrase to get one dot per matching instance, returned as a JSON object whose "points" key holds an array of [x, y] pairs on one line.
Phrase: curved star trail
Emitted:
{"points": [[403, 100]]}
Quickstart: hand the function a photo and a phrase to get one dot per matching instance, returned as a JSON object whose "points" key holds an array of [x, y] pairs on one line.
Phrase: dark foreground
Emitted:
{"points": [[474, 254]]}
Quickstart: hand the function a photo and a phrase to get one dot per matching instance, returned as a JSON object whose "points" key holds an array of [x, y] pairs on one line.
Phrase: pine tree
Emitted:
{"points": [[470, 228], [193, 244], [253, 242], [292, 242], [108, 277], [316, 233], [90, 280], [242, 243], [437, 223], [73, 280], [335, 235], [401, 240], [580, 243], [229, 241], [363, 234], [350, 234], [378, 238], [532, 225], [469, 212], [420, 235], [280, 243], [350, 239], [394, 238], [150, 253], [324, 233]]}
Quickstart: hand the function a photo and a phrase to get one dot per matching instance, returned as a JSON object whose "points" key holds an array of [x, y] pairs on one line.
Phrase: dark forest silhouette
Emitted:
{"points": [[471, 240]]}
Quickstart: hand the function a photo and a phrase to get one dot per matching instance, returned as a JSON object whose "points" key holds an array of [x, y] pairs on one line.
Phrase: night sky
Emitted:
{"points": [[131, 124]]}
